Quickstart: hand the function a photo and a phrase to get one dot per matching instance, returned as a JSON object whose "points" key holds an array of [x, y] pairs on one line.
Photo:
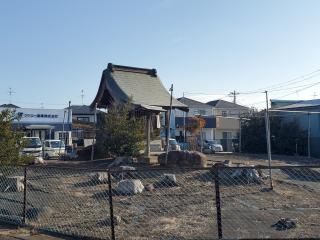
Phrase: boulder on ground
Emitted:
{"points": [[183, 159], [129, 187], [168, 180], [11, 184], [38, 161]]}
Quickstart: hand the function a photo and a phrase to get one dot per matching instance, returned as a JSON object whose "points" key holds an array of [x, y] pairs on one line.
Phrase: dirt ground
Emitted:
{"points": [[80, 205]]}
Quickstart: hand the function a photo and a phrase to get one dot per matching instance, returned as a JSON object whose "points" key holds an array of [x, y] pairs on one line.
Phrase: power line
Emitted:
{"points": [[286, 83]]}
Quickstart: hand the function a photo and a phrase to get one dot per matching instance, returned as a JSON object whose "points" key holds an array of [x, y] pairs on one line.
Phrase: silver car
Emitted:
{"points": [[214, 144]]}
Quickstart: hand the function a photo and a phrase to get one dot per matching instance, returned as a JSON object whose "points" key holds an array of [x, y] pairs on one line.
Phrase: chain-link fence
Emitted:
{"points": [[220, 202]]}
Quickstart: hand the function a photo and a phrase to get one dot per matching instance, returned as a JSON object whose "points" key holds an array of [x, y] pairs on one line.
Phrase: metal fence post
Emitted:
{"points": [[218, 200], [111, 207], [24, 195]]}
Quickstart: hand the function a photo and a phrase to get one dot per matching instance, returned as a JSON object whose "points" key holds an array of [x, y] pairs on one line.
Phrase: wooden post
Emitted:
{"points": [[147, 152]]}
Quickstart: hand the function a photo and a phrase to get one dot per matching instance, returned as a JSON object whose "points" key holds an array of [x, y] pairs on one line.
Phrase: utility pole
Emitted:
{"points": [[82, 96], [315, 95], [234, 95], [69, 110], [268, 137], [10, 94], [168, 130]]}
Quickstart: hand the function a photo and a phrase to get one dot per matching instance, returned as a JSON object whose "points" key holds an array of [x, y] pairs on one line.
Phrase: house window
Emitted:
{"points": [[224, 113], [83, 119], [202, 112], [199, 112]]}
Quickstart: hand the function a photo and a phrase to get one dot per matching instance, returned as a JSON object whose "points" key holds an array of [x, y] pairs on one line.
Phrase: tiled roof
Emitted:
{"points": [[225, 104], [120, 83], [193, 103]]}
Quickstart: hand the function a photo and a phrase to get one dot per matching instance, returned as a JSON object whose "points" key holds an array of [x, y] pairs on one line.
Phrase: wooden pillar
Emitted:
{"points": [[147, 152]]}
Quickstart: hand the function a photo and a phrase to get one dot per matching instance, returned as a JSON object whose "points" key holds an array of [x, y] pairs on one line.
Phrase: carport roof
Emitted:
{"points": [[120, 83]]}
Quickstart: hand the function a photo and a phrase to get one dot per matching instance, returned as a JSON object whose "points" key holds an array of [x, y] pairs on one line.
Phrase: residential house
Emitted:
{"points": [[227, 118], [221, 120]]}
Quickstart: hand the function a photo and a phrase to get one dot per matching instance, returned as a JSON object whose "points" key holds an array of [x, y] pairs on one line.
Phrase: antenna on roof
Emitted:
{"points": [[10, 92], [82, 96]]}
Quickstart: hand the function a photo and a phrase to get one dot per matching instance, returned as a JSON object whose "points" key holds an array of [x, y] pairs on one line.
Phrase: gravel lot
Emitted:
{"points": [[76, 205]]}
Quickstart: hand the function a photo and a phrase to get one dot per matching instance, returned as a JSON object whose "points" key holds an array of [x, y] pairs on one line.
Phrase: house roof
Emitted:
{"points": [[193, 103], [225, 104], [120, 83], [81, 110], [302, 104], [9, 106]]}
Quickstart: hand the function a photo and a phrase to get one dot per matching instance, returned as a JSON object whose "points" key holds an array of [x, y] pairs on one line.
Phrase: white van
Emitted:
{"points": [[33, 147], [53, 149]]}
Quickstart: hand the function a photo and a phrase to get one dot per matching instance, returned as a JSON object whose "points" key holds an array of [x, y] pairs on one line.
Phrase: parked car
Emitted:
{"points": [[33, 147], [207, 149], [53, 149], [214, 144], [173, 145]]}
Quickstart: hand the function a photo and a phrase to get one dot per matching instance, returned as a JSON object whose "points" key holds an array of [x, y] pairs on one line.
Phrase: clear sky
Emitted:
{"points": [[50, 50]]}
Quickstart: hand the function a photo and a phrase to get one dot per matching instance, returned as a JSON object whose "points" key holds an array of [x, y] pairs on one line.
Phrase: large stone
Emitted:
{"points": [[11, 184], [129, 187], [38, 161], [168, 180], [183, 159]]}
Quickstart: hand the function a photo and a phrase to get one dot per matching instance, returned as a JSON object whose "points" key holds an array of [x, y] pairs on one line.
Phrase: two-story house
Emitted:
{"points": [[221, 120]]}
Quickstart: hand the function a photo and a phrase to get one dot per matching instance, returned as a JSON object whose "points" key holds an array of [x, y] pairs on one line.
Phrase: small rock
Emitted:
{"points": [[129, 187], [100, 177], [284, 224], [149, 187], [38, 161]]}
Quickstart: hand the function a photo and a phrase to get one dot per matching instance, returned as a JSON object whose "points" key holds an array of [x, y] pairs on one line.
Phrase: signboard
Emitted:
{"points": [[31, 115]]}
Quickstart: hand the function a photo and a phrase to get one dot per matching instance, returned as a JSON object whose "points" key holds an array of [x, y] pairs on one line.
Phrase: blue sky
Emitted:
{"points": [[50, 50]]}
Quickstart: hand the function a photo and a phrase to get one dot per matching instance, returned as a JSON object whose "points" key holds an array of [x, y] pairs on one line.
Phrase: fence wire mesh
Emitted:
{"points": [[11, 193], [174, 204], [251, 209], [164, 204]]}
